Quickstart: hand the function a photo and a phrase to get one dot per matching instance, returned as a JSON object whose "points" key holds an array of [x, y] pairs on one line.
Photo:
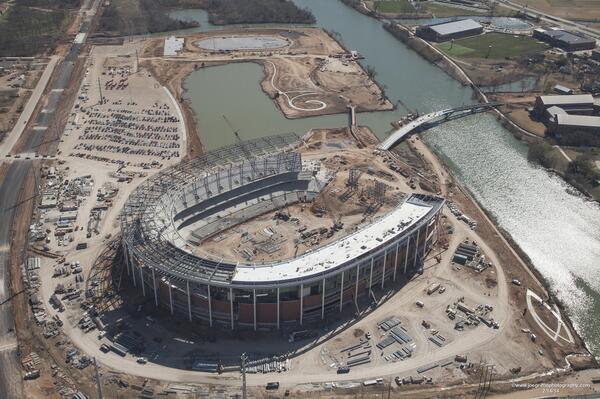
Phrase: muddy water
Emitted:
{"points": [[560, 232]]}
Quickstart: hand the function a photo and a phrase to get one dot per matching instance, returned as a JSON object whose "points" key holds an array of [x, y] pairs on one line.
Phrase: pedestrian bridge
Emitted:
{"points": [[427, 121]]}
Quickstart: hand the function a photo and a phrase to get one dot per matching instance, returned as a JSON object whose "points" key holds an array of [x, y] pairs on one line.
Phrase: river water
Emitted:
{"points": [[559, 232]]}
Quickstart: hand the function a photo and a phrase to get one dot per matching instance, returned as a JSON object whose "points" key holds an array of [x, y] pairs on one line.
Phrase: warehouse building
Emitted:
{"points": [[575, 130], [572, 119], [449, 30], [580, 104], [565, 40]]}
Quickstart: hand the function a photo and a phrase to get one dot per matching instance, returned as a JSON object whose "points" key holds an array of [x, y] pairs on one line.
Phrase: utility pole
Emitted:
{"points": [[100, 393], [244, 360], [100, 90]]}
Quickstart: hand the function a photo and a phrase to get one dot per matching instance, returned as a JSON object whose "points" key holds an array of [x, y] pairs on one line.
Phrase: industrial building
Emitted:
{"points": [[580, 104], [169, 213], [574, 119], [563, 39], [449, 30]]}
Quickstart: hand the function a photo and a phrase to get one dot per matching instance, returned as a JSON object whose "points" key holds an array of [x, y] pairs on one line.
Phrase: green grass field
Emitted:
{"points": [[394, 7], [502, 46]]}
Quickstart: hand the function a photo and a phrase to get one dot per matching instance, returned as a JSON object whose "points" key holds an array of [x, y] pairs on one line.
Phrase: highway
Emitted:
{"points": [[10, 188]]}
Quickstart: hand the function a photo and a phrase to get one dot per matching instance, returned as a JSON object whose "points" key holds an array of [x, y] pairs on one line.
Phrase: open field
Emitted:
{"points": [[17, 80], [570, 9], [492, 46], [433, 9], [394, 6]]}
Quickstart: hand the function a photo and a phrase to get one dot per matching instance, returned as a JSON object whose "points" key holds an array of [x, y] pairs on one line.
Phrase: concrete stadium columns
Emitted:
{"points": [[356, 287], [254, 306], [142, 280], [425, 243], [383, 272], [416, 249], [323, 301], [231, 305], [154, 287], [209, 305], [171, 298], [301, 302], [406, 254], [189, 301], [371, 276], [342, 292], [396, 262]]}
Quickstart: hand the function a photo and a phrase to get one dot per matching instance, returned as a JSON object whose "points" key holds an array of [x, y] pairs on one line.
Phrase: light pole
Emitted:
{"points": [[244, 359]]}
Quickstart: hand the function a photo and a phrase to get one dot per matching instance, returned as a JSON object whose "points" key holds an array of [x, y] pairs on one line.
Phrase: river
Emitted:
{"points": [[559, 232]]}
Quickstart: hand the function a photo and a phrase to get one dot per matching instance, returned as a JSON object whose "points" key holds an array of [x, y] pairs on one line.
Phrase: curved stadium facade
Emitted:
{"points": [[168, 215]]}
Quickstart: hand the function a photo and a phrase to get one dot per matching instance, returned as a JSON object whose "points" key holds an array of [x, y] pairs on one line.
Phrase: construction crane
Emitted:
{"points": [[246, 152]]}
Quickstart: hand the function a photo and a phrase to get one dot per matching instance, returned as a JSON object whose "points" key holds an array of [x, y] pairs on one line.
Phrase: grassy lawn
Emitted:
{"points": [[502, 46], [442, 10], [394, 7]]}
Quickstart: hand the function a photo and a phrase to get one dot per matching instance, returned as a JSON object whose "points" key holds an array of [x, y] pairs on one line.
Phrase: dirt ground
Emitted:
{"points": [[341, 204], [16, 84], [311, 75]]}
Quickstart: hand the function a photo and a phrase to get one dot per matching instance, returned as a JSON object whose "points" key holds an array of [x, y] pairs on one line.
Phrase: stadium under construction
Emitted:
{"points": [[168, 217]]}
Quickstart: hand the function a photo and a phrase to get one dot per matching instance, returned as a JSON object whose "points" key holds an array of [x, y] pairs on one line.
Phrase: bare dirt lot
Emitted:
{"points": [[310, 75]]}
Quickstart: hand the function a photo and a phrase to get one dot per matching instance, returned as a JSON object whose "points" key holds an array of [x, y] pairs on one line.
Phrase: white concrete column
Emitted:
{"points": [[133, 275], [301, 302], [142, 280], [254, 301], [416, 249], [171, 298], [342, 292], [209, 306], [356, 287], [231, 305], [425, 244], [383, 270], [396, 262], [189, 298], [406, 254], [323, 301], [154, 285], [278, 308], [126, 252], [371, 275]]}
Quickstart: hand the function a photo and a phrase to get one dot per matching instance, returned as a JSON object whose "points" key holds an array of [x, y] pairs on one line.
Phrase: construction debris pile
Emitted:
{"points": [[396, 342], [356, 354], [468, 316]]}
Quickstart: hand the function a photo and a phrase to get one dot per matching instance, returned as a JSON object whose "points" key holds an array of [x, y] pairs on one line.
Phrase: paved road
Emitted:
{"points": [[10, 369]]}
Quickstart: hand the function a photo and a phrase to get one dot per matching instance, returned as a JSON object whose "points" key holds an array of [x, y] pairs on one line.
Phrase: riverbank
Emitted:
{"points": [[454, 70], [515, 262], [516, 130]]}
